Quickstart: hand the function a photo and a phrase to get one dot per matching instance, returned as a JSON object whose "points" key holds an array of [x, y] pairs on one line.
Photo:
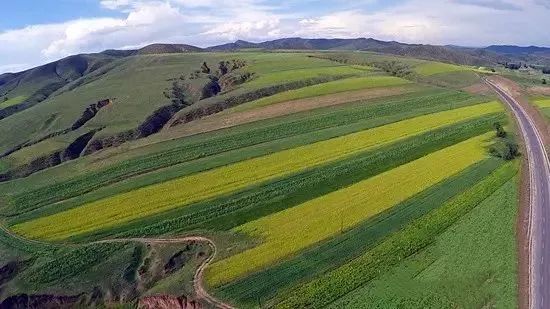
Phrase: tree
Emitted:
{"points": [[544, 81], [505, 149], [6, 99], [223, 68], [499, 129], [204, 68], [177, 94]]}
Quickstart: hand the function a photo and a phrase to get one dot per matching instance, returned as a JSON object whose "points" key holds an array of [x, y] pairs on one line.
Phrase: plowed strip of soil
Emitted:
{"points": [[226, 120], [479, 88]]}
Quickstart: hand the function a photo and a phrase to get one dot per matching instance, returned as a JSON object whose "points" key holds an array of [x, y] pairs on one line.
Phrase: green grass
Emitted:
{"points": [[432, 68], [325, 88], [285, 133], [69, 262], [280, 77], [381, 259], [153, 73], [544, 105], [453, 80], [471, 265], [340, 249], [12, 101]]}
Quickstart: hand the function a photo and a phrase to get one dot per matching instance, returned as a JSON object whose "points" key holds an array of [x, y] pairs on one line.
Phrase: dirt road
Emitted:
{"points": [[198, 278]]}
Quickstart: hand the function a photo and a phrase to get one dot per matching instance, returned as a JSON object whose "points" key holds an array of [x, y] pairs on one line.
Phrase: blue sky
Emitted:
{"points": [[32, 12], [38, 31]]}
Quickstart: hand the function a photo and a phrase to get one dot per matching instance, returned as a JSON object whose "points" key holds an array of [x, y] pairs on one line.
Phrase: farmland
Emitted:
{"points": [[544, 105], [278, 230], [227, 179], [326, 88], [319, 178]]}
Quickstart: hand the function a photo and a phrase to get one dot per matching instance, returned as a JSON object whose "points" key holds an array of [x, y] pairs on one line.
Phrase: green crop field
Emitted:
{"points": [[220, 181], [431, 68], [354, 204], [544, 105], [12, 101], [326, 88], [381, 181]]}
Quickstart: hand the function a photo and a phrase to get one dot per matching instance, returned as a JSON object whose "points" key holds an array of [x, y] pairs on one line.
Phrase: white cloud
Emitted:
{"points": [[207, 22]]}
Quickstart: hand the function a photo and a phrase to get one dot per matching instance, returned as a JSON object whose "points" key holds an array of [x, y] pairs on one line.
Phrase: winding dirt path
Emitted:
{"points": [[198, 278]]}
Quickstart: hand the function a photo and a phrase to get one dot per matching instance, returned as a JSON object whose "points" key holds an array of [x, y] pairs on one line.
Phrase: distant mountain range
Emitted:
{"points": [[454, 54], [52, 77]]}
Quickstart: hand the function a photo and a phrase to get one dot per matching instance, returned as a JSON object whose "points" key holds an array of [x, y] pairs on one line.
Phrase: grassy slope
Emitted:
{"points": [[153, 73], [544, 105], [349, 84], [270, 136], [424, 71], [241, 144], [13, 101], [471, 265], [227, 212], [194, 188]]}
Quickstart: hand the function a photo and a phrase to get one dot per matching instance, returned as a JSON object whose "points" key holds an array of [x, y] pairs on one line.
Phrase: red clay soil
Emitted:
{"points": [[226, 120], [167, 302], [539, 90], [522, 222]]}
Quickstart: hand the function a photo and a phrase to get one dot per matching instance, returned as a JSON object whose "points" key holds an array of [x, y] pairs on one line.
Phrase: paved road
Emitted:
{"points": [[539, 217]]}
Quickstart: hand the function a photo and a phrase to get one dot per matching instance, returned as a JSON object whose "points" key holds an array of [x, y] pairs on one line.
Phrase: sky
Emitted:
{"points": [[34, 32]]}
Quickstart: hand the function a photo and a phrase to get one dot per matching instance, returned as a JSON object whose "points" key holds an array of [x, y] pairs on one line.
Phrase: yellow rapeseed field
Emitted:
{"points": [[206, 185], [286, 232], [543, 103]]}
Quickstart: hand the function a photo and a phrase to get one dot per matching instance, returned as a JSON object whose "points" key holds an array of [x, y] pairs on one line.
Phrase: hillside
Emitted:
{"points": [[432, 52], [284, 178], [20, 91]]}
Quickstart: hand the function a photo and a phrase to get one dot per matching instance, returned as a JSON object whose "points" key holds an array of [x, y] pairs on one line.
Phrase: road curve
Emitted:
{"points": [[539, 203], [199, 273]]}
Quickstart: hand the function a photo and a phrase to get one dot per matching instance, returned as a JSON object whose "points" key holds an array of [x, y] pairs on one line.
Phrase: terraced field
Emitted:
{"points": [[202, 186], [319, 178], [326, 88]]}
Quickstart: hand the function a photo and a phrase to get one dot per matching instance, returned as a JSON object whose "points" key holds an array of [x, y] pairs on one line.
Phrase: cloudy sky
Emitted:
{"points": [[35, 32]]}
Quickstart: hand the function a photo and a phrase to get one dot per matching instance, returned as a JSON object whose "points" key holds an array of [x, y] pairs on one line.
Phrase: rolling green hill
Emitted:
{"points": [[309, 176]]}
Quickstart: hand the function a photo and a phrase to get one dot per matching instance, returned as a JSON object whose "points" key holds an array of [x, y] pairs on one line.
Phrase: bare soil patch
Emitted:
{"points": [[221, 121], [539, 90], [479, 88]]}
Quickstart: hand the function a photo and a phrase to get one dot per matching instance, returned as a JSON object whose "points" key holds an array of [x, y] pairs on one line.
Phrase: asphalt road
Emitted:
{"points": [[539, 212]]}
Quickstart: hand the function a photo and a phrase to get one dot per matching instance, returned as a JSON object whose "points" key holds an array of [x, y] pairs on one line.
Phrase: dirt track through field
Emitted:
{"points": [[198, 278]]}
